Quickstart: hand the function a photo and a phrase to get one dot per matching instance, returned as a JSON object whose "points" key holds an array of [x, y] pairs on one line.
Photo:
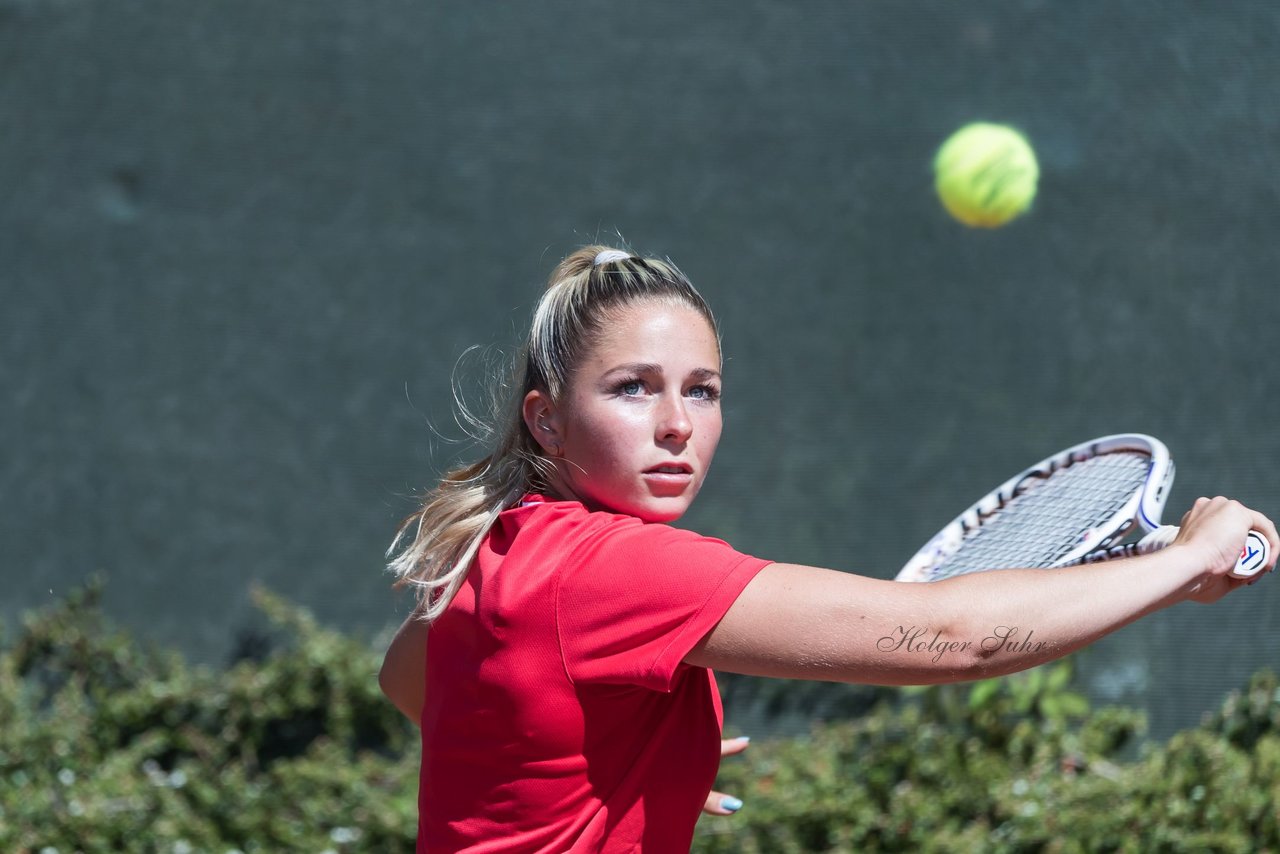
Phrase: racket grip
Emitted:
{"points": [[1253, 556]]}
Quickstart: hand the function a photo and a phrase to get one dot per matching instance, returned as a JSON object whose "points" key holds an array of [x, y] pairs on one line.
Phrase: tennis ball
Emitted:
{"points": [[986, 174]]}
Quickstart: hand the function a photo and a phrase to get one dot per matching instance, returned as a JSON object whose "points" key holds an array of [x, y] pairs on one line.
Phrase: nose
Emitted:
{"points": [[673, 421]]}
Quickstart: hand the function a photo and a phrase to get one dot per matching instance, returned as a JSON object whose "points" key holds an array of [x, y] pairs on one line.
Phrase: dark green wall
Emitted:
{"points": [[242, 245]]}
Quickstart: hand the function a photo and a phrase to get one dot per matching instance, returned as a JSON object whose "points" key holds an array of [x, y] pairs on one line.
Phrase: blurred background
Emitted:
{"points": [[244, 246]]}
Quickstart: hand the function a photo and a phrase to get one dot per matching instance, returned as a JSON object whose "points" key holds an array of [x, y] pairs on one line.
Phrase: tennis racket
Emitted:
{"points": [[1073, 507]]}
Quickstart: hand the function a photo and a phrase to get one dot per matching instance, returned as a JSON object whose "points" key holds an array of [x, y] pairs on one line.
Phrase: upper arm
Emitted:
{"points": [[403, 676], [802, 622]]}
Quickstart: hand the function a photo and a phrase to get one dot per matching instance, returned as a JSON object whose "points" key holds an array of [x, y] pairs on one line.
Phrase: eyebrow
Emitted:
{"points": [[651, 368]]}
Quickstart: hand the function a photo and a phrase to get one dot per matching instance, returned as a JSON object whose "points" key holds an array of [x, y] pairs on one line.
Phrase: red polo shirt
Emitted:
{"points": [[559, 714]]}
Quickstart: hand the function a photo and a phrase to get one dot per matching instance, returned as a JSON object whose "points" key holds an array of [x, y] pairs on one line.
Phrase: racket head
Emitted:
{"points": [[1056, 512]]}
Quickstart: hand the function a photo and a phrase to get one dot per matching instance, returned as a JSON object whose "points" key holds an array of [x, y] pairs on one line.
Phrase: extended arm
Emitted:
{"points": [[807, 623], [404, 668]]}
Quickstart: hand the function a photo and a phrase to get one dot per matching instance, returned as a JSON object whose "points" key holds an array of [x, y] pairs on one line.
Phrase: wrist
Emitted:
{"points": [[1189, 563]]}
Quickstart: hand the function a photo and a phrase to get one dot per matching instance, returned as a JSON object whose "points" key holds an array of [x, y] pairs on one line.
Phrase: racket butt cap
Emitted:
{"points": [[1253, 557]]}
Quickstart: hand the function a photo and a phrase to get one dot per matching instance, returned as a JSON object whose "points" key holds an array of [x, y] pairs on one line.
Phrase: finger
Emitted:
{"points": [[718, 803], [730, 746]]}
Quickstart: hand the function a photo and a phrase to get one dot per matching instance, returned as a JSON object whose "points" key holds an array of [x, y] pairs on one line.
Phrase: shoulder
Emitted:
{"points": [[568, 522], [573, 539], [600, 531], [571, 520]]}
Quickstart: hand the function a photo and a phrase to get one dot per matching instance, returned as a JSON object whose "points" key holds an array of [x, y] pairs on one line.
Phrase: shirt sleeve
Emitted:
{"points": [[634, 598]]}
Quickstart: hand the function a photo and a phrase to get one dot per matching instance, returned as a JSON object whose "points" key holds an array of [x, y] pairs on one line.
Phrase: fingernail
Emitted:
{"points": [[730, 803], [743, 738]]}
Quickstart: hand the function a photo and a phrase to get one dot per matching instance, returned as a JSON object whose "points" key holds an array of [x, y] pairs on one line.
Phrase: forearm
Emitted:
{"points": [[1014, 619]]}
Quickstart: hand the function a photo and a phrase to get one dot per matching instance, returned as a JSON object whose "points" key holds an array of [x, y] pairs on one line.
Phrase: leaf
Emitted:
{"points": [[1059, 677], [984, 693]]}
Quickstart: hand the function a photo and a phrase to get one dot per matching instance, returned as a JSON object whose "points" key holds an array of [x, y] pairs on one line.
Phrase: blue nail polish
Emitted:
{"points": [[730, 803]]}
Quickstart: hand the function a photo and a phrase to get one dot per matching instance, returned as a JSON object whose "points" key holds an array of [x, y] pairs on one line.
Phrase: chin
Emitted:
{"points": [[643, 506], [661, 510], [660, 517]]}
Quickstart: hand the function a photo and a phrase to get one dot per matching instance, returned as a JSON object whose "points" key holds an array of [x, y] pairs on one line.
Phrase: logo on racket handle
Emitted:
{"points": [[1252, 557]]}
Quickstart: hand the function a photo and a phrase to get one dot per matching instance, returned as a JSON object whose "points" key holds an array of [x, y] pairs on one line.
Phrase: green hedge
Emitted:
{"points": [[106, 745], [985, 775]]}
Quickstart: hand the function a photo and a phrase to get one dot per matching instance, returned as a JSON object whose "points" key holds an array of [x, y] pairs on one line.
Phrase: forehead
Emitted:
{"points": [[650, 329]]}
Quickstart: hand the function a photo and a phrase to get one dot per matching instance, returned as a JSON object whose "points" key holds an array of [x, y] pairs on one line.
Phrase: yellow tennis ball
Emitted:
{"points": [[986, 174]]}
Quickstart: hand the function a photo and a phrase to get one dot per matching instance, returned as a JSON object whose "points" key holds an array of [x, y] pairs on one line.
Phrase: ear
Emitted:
{"points": [[542, 419]]}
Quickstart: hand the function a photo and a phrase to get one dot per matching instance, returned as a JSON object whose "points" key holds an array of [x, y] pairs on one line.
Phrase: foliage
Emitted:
{"points": [[1001, 767], [106, 746], [109, 746]]}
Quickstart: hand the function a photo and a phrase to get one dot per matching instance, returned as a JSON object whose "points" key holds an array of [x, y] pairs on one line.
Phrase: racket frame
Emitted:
{"points": [[1144, 507]]}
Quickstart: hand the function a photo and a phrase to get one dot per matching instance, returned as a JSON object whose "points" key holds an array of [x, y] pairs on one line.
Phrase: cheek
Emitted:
{"points": [[709, 435], [712, 445], [605, 434]]}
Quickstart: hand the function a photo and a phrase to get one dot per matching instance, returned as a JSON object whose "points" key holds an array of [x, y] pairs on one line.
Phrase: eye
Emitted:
{"points": [[629, 388], [704, 392]]}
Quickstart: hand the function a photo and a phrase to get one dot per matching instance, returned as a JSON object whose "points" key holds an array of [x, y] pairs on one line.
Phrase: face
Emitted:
{"points": [[640, 419]]}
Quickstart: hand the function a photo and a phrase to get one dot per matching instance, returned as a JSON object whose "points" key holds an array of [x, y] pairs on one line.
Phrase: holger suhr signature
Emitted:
{"points": [[920, 640]]}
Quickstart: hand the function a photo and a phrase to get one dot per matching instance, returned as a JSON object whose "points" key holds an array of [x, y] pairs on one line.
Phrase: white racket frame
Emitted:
{"points": [[1144, 508]]}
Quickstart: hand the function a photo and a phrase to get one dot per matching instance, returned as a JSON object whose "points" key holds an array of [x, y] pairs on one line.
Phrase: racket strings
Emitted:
{"points": [[1053, 515]]}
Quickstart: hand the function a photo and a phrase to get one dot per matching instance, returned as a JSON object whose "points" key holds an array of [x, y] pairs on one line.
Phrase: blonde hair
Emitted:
{"points": [[441, 538]]}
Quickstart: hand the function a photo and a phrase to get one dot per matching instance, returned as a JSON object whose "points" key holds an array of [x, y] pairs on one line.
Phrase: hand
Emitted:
{"points": [[719, 803], [1216, 528]]}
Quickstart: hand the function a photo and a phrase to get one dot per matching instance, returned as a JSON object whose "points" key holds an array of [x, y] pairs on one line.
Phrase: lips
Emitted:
{"points": [[670, 468]]}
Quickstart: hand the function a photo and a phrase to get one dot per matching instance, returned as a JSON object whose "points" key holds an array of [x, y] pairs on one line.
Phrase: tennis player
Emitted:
{"points": [[560, 661]]}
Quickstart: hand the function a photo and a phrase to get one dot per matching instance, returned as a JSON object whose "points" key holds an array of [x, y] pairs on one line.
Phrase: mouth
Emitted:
{"points": [[671, 469], [670, 480]]}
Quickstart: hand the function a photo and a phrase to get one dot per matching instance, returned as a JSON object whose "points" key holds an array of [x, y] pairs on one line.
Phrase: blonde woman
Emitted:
{"points": [[560, 662]]}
